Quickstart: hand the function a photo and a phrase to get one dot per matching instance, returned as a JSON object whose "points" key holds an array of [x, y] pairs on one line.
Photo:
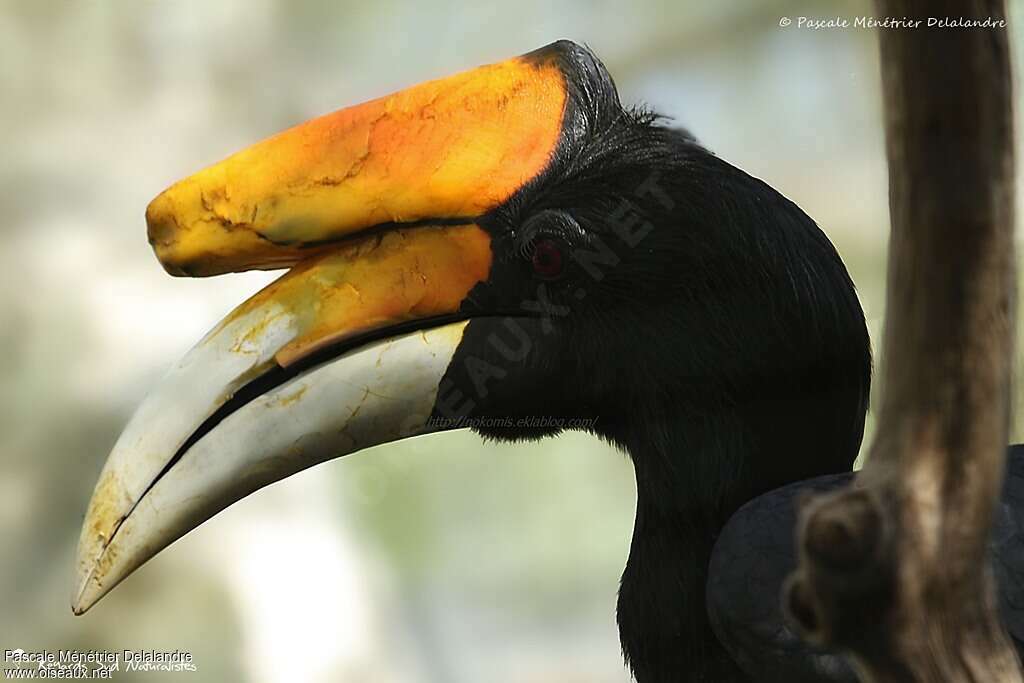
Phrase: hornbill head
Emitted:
{"points": [[491, 249]]}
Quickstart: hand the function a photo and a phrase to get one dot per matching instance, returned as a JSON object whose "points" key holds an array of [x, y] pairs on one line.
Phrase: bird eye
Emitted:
{"points": [[547, 258]]}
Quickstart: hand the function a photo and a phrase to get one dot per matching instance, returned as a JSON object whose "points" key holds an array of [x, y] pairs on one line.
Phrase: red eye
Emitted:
{"points": [[547, 258]]}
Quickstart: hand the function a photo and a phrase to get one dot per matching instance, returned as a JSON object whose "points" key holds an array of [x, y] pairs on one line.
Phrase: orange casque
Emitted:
{"points": [[452, 148]]}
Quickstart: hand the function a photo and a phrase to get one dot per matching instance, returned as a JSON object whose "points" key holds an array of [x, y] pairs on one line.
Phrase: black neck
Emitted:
{"points": [[663, 624], [696, 463], [688, 483]]}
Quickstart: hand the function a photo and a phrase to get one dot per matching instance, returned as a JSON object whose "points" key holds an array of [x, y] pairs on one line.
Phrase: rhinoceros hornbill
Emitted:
{"points": [[495, 247]]}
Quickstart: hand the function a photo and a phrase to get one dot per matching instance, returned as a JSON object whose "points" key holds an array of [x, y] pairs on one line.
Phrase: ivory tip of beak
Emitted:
{"points": [[85, 594], [85, 600]]}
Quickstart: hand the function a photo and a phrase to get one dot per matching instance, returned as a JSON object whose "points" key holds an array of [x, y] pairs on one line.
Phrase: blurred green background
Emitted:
{"points": [[442, 559]]}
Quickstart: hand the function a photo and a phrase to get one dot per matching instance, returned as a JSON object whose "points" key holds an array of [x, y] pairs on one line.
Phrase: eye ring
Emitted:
{"points": [[547, 257]]}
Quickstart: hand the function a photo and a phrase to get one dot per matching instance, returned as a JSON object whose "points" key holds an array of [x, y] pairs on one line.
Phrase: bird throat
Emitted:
{"points": [[688, 484]]}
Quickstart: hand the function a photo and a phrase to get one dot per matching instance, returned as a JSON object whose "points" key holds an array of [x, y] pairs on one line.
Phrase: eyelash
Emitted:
{"points": [[550, 224], [527, 246]]}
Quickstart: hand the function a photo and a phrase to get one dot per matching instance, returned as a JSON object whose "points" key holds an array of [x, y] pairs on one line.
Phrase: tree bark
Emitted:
{"points": [[894, 570]]}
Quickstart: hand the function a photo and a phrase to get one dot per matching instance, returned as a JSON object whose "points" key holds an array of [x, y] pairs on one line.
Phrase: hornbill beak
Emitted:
{"points": [[375, 209]]}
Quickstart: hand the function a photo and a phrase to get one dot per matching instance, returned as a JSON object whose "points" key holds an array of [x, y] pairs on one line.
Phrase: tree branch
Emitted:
{"points": [[894, 570]]}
